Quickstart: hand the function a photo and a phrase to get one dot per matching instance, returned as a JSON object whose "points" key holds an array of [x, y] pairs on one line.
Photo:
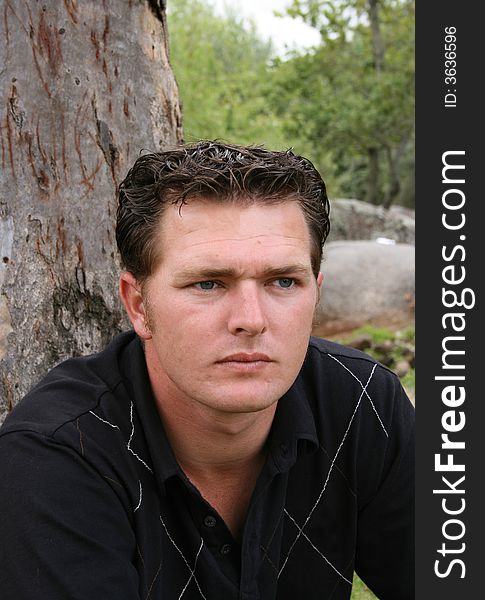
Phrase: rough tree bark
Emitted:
{"points": [[85, 87]]}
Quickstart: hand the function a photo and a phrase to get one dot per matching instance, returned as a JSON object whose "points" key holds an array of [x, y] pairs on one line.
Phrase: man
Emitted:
{"points": [[216, 452]]}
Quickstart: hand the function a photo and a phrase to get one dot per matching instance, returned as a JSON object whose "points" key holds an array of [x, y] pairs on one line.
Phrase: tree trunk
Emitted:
{"points": [[377, 44], [394, 184], [373, 176], [86, 86], [378, 60]]}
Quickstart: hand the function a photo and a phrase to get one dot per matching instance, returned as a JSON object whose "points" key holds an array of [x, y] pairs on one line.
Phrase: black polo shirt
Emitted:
{"points": [[93, 504]]}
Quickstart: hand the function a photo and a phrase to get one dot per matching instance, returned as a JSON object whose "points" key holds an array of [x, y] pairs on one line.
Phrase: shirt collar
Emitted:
{"points": [[134, 367], [293, 422]]}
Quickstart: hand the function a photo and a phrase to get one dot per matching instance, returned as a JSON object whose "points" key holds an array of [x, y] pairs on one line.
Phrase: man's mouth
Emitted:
{"points": [[246, 361], [244, 357]]}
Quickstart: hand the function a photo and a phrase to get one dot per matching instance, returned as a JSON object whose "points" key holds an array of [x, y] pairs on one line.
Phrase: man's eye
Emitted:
{"points": [[285, 282], [206, 285]]}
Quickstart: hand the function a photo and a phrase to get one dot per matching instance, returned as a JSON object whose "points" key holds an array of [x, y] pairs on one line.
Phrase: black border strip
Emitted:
{"points": [[450, 131]]}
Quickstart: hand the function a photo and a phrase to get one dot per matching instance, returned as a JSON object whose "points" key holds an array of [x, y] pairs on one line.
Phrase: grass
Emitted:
{"points": [[360, 591], [409, 383], [378, 334]]}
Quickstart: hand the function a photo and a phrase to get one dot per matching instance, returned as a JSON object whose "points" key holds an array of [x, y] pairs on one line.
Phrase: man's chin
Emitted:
{"points": [[242, 407], [237, 399]]}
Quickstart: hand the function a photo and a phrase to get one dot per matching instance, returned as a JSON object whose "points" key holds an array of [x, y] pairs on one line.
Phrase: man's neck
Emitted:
{"points": [[218, 446], [207, 441]]}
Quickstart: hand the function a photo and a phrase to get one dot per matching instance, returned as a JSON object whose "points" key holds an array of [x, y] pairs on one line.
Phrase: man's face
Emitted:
{"points": [[230, 305]]}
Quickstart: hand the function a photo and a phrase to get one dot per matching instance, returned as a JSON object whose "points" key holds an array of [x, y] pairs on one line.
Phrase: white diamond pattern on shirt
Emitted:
{"points": [[301, 528]]}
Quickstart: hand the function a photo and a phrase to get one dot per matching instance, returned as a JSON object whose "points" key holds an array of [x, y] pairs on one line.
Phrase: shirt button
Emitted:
{"points": [[210, 521], [225, 549]]}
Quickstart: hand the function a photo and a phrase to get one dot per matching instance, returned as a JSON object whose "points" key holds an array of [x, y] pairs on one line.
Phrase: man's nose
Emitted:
{"points": [[247, 315]]}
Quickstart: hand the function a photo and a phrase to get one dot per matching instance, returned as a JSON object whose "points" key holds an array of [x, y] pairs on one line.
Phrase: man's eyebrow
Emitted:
{"points": [[297, 269], [208, 273]]}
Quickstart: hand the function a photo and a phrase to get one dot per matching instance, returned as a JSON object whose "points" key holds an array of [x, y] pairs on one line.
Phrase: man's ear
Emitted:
{"points": [[131, 296], [319, 285]]}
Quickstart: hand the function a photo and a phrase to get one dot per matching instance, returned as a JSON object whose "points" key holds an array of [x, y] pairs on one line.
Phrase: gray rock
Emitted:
{"points": [[402, 368], [365, 281], [384, 347], [356, 220]]}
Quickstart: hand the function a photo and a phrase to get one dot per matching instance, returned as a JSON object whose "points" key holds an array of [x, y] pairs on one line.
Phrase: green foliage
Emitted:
{"points": [[221, 65], [330, 104], [351, 99]]}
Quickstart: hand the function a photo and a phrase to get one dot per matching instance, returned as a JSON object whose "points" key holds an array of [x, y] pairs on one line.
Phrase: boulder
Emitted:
{"points": [[357, 220], [365, 282]]}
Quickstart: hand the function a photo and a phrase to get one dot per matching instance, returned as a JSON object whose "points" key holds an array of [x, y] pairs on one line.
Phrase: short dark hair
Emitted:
{"points": [[216, 171]]}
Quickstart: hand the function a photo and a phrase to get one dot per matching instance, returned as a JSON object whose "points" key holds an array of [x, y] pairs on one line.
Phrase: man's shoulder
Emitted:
{"points": [[325, 346], [333, 370], [330, 354], [69, 390], [343, 387]]}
